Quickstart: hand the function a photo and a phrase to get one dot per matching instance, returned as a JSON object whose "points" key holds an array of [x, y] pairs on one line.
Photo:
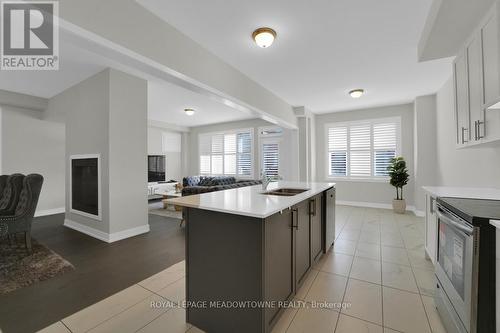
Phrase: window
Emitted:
{"points": [[270, 158], [228, 153], [362, 150], [270, 138]]}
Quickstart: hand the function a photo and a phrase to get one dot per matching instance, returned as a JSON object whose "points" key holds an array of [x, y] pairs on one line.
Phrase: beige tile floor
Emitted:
{"points": [[377, 267], [130, 310]]}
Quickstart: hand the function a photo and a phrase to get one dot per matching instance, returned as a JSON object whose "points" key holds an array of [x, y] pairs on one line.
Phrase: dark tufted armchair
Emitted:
{"points": [[10, 194], [21, 218], [3, 183], [3, 229]]}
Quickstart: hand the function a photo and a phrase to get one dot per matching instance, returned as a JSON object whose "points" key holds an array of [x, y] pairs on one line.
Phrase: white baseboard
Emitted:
{"points": [[101, 235], [116, 236], [364, 204], [378, 205], [104, 236], [52, 211], [419, 213]]}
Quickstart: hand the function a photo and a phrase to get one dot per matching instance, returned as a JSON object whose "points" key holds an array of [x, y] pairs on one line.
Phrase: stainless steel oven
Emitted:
{"points": [[466, 264], [457, 264]]}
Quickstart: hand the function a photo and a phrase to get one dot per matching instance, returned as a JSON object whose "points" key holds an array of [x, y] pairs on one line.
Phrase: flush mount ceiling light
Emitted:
{"points": [[189, 112], [264, 37], [356, 93]]}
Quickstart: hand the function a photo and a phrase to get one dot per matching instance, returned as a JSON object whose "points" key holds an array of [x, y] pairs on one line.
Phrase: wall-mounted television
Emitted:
{"points": [[156, 168]]}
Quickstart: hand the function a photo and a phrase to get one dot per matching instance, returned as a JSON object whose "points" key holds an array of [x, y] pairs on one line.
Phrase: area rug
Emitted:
{"points": [[20, 269], [156, 208]]}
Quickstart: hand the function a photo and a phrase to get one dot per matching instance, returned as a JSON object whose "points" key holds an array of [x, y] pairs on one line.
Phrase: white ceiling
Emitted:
{"points": [[449, 24], [324, 48], [75, 65], [166, 101]]}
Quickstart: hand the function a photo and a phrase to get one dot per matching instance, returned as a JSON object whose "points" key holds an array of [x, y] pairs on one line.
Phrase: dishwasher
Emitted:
{"points": [[329, 219]]}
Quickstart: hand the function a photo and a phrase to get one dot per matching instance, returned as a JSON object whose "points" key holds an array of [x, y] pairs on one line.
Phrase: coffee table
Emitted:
{"points": [[171, 195]]}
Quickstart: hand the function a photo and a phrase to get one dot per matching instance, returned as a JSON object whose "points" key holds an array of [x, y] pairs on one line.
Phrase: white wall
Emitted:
{"points": [[23, 101], [365, 191], [303, 145], [128, 123], [172, 150], [313, 149], [33, 142], [106, 114], [288, 146], [87, 122], [471, 167], [425, 151], [306, 136]]}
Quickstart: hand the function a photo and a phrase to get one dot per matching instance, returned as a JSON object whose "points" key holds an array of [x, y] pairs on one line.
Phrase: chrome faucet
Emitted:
{"points": [[268, 179]]}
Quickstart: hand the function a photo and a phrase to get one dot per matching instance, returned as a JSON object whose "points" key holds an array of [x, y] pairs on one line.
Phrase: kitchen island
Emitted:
{"points": [[248, 250]]}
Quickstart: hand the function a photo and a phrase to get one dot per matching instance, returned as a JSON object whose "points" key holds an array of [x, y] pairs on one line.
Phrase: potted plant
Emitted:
{"points": [[399, 178]]}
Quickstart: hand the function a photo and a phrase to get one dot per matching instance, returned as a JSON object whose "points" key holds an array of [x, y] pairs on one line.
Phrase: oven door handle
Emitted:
{"points": [[449, 220]]}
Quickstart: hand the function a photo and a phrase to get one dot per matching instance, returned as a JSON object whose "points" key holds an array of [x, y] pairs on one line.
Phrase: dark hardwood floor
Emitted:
{"points": [[101, 270]]}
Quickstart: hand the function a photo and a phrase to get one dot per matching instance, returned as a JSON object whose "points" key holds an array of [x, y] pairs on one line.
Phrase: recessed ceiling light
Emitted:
{"points": [[264, 37], [189, 112], [356, 93]]}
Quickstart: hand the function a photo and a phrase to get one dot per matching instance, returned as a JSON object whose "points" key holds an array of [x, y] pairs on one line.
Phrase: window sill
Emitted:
{"points": [[359, 180]]}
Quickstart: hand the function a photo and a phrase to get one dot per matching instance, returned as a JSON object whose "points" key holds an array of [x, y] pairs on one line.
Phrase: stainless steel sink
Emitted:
{"points": [[286, 192]]}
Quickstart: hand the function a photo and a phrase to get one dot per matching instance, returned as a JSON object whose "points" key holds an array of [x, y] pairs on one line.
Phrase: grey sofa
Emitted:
{"points": [[19, 219], [203, 184]]}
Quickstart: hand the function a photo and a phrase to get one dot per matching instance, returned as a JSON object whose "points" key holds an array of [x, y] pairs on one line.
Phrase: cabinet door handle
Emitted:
{"points": [[479, 123], [463, 135], [312, 207], [475, 130], [295, 221]]}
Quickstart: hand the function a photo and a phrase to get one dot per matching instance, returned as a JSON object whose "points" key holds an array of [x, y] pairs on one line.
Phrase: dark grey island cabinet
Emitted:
{"points": [[241, 270]]}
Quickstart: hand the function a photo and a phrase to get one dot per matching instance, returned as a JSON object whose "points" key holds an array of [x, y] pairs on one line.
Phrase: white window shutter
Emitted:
{"points": [[244, 149], [217, 144], [384, 146], [337, 151], [226, 153], [217, 165], [360, 150], [384, 136], [270, 159], [205, 144], [205, 164], [230, 144], [230, 154]]}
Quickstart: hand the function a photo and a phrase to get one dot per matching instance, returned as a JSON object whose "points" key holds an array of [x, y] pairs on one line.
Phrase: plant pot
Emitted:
{"points": [[399, 206]]}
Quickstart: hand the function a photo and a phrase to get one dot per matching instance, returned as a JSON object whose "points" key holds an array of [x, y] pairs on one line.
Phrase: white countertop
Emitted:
{"points": [[464, 192], [249, 200], [496, 224]]}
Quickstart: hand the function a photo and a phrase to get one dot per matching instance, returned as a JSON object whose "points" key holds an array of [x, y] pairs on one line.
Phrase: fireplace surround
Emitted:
{"points": [[85, 185]]}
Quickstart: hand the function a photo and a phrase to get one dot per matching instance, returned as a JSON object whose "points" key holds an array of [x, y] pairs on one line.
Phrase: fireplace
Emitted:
{"points": [[85, 185]]}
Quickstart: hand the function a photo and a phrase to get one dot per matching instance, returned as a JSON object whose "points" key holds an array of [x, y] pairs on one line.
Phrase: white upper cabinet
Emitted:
{"points": [[477, 85], [461, 98], [476, 110], [489, 36]]}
